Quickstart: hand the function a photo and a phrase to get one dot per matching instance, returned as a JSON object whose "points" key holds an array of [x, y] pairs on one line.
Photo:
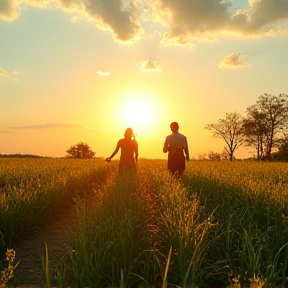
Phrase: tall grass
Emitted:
{"points": [[111, 242], [251, 200], [220, 221], [124, 237], [33, 190], [183, 225], [46, 268]]}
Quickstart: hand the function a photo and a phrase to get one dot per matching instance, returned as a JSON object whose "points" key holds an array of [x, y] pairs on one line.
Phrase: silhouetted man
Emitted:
{"points": [[177, 147]]}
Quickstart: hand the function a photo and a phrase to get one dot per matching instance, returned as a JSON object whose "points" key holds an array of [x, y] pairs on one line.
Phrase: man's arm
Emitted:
{"points": [[187, 154], [186, 150], [166, 148]]}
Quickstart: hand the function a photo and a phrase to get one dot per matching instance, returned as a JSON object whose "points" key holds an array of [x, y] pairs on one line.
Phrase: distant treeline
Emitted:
{"points": [[21, 156]]}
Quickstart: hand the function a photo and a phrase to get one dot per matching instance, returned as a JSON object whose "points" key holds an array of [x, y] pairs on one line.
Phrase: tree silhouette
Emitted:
{"points": [[80, 151], [282, 153], [230, 130], [255, 131], [266, 120]]}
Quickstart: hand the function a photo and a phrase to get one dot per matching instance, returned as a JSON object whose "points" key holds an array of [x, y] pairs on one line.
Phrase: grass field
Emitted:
{"points": [[223, 224]]}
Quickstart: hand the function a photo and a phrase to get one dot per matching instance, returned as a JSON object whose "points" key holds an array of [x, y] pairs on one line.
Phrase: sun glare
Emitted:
{"points": [[136, 109], [138, 113]]}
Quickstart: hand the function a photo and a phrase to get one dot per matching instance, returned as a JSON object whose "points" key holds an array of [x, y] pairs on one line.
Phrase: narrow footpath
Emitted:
{"points": [[31, 250]]}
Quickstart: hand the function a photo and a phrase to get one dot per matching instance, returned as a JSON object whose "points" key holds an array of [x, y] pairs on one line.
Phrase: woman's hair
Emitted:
{"points": [[129, 133]]}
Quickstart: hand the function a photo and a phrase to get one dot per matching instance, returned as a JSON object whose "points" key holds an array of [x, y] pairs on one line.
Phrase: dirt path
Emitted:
{"points": [[31, 250], [56, 233]]}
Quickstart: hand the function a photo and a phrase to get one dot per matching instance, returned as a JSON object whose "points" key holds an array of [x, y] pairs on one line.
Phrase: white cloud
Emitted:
{"points": [[101, 73], [234, 60]]}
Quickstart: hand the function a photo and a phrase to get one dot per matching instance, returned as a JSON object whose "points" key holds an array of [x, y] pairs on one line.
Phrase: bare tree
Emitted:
{"points": [[230, 130]]}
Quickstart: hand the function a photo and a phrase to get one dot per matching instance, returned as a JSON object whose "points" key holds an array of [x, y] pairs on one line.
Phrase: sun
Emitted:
{"points": [[137, 113], [136, 110]]}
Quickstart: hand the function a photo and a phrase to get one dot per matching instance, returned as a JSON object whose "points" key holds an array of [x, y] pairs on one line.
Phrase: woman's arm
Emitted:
{"points": [[115, 151]]}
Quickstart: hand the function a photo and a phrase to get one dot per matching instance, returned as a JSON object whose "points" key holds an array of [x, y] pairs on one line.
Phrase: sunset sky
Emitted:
{"points": [[83, 70]]}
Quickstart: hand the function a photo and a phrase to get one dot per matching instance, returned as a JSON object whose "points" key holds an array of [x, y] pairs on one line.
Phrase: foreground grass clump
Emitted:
{"points": [[182, 224], [8, 272]]}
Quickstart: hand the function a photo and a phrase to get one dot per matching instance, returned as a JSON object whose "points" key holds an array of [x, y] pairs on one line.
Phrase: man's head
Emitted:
{"points": [[174, 126]]}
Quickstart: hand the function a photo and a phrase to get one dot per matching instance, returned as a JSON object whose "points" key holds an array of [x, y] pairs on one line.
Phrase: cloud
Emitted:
{"points": [[101, 73], [262, 18], [150, 66], [120, 17], [191, 22], [234, 60], [186, 22], [46, 126], [6, 74], [8, 10], [6, 132]]}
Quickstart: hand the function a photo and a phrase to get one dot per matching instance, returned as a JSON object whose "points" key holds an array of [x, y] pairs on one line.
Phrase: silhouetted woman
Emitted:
{"points": [[129, 151]]}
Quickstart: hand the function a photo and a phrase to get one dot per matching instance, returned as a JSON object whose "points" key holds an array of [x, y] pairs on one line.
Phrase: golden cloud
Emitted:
{"points": [[150, 66], [234, 60]]}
